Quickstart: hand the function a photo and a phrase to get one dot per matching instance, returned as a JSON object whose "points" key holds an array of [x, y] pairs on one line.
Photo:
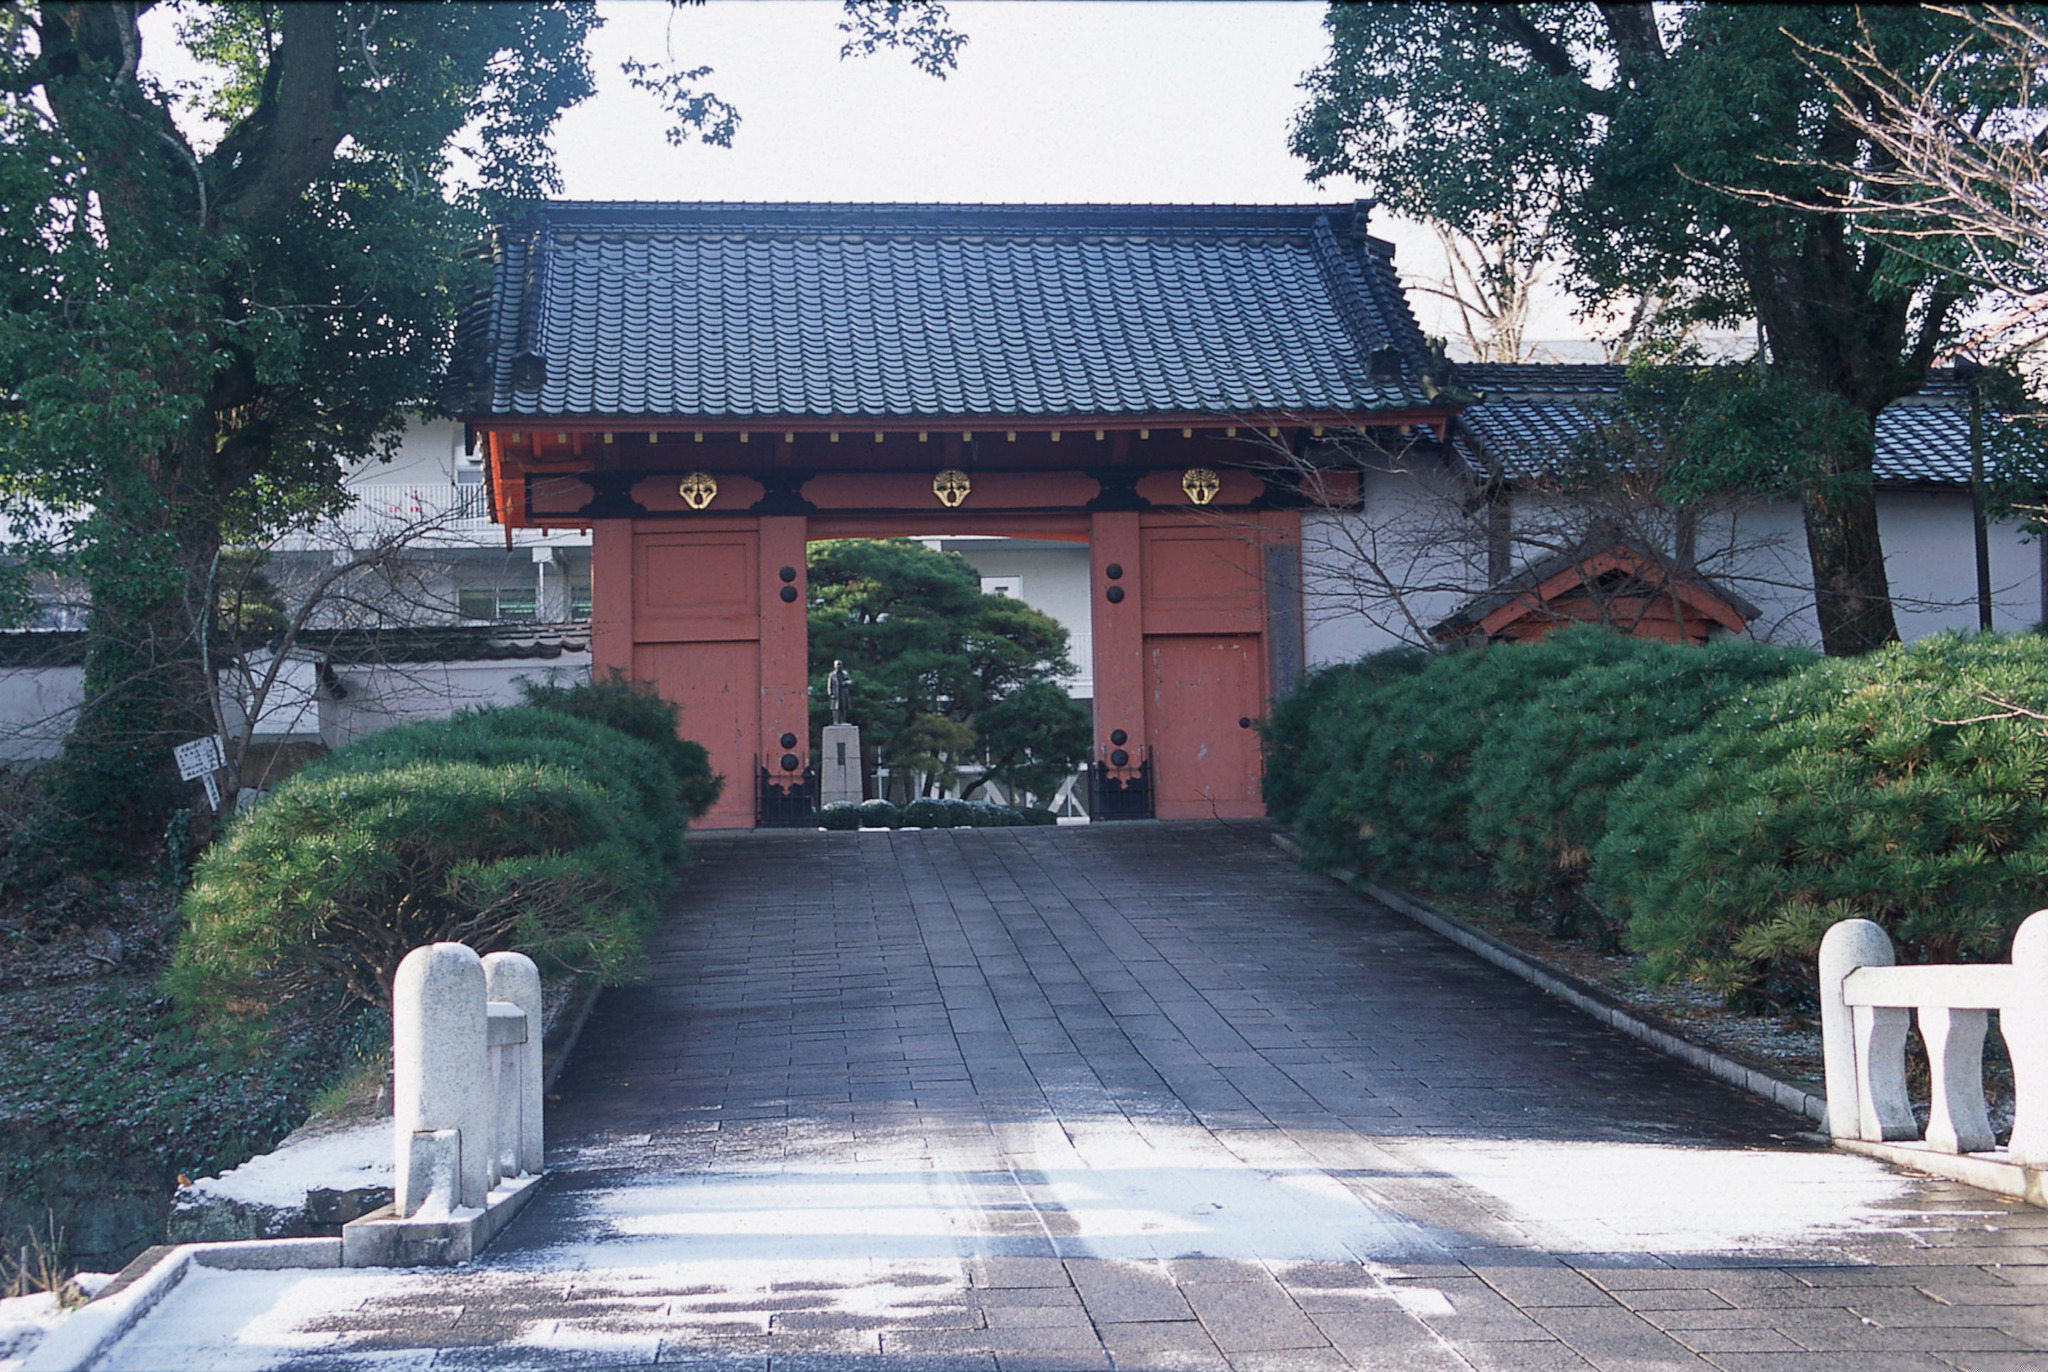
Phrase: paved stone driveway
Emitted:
{"points": [[1142, 1096]]}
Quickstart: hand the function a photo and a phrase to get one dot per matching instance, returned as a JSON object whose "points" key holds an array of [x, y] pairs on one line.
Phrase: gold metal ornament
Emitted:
{"points": [[698, 490], [1201, 484], [951, 487]]}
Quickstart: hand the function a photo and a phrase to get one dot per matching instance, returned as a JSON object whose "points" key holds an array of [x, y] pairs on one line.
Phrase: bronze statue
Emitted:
{"points": [[839, 690]]}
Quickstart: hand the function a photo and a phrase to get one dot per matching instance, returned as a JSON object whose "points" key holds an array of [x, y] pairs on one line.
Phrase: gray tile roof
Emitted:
{"points": [[1532, 412], [899, 311]]}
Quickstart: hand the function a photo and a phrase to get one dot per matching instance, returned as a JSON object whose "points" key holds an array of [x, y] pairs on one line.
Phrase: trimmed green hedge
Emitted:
{"points": [[1718, 807], [1906, 786], [1542, 780], [1395, 747], [932, 814], [536, 827]]}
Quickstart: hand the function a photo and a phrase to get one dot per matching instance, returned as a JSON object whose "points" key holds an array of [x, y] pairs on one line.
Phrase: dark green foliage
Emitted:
{"points": [[1394, 797], [880, 814], [1033, 737], [1690, 156], [1905, 787], [638, 710], [526, 828], [1542, 781], [107, 1093], [193, 362], [529, 737], [315, 896], [949, 813], [839, 815], [943, 675], [1305, 732]]}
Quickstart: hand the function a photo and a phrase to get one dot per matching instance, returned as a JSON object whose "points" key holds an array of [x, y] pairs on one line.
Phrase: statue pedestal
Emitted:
{"points": [[839, 777]]}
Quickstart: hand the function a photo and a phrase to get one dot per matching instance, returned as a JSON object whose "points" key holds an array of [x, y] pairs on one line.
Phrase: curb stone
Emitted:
{"points": [[140, 1286], [1582, 996]]}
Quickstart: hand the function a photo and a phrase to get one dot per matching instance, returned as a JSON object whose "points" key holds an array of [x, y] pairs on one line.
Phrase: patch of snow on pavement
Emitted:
{"points": [[225, 1321], [1660, 1198], [360, 1155]]}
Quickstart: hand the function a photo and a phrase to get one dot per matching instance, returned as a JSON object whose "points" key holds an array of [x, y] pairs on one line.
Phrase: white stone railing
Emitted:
{"points": [[1867, 1004], [466, 1078]]}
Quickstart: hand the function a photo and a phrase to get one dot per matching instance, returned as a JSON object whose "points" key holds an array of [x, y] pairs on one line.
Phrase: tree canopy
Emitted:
{"points": [[943, 674], [219, 299], [1689, 154]]}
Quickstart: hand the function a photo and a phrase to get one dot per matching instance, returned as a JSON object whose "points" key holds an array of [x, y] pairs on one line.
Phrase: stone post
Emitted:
{"points": [[439, 1086], [839, 775], [512, 977], [2023, 1019]]}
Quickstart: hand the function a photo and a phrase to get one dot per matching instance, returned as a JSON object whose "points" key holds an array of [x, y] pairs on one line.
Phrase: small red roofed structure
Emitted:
{"points": [[1615, 583]]}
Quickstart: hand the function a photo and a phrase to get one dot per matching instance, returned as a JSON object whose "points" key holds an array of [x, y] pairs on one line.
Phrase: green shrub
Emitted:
{"points": [[314, 896], [880, 814], [959, 812], [1395, 750], [1904, 787], [925, 813], [636, 709], [1304, 733], [839, 815], [1037, 817], [1541, 783], [650, 810]]}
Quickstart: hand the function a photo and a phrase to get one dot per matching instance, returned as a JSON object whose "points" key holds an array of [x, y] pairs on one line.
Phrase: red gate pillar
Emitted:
{"points": [[785, 647], [1116, 596], [611, 597]]}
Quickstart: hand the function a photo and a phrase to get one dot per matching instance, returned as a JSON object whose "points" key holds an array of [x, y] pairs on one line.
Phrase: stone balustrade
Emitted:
{"points": [[1867, 1005]]}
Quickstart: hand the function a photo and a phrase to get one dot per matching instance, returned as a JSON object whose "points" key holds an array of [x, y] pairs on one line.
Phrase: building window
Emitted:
{"points": [[496, 603], [579, 602]]}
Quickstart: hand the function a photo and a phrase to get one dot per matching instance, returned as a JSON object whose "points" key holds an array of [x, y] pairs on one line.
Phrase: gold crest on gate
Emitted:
{"points": [[951, 487], [698, 490], [1201, 484]]}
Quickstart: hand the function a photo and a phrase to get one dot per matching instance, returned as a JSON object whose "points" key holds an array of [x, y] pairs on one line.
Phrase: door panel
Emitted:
{"points": [[1204, 764], [719, 687]]}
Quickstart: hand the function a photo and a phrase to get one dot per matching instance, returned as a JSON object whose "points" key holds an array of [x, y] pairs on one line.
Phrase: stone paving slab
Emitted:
{"points": [[1141, 1096]]}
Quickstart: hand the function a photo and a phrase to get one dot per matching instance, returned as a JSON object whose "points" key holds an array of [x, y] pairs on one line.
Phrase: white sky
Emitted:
{"points": [[1183, 101]]}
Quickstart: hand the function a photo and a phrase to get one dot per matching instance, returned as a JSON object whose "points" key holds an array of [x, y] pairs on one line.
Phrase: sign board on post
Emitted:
{"points": [[200, 757], [212, 791]]}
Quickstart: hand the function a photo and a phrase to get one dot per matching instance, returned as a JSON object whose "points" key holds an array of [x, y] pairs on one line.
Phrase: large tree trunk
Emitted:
{"points": [[146, 684], [1851, 595]]}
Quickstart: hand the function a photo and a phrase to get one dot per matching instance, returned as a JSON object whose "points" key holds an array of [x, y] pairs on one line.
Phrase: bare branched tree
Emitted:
{"points": [[1958, 153]]}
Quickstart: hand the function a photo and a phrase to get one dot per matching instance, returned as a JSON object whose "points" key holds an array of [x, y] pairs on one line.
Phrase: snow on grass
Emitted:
{"points": [[23, 1322]]}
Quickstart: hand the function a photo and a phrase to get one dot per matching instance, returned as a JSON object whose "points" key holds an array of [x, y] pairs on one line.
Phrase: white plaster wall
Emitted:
{"points": [[1382, 575], [1930, 557], [429, 454], [1404, 537], [379, 697], [37, 705], [291, 707]]}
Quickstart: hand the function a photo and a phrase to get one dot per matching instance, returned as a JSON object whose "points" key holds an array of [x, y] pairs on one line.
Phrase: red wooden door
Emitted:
{"points": [[1205, 764]]}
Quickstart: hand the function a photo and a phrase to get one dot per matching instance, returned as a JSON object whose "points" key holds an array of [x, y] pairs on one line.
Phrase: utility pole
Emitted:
{"points": [[1968, 371]]}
